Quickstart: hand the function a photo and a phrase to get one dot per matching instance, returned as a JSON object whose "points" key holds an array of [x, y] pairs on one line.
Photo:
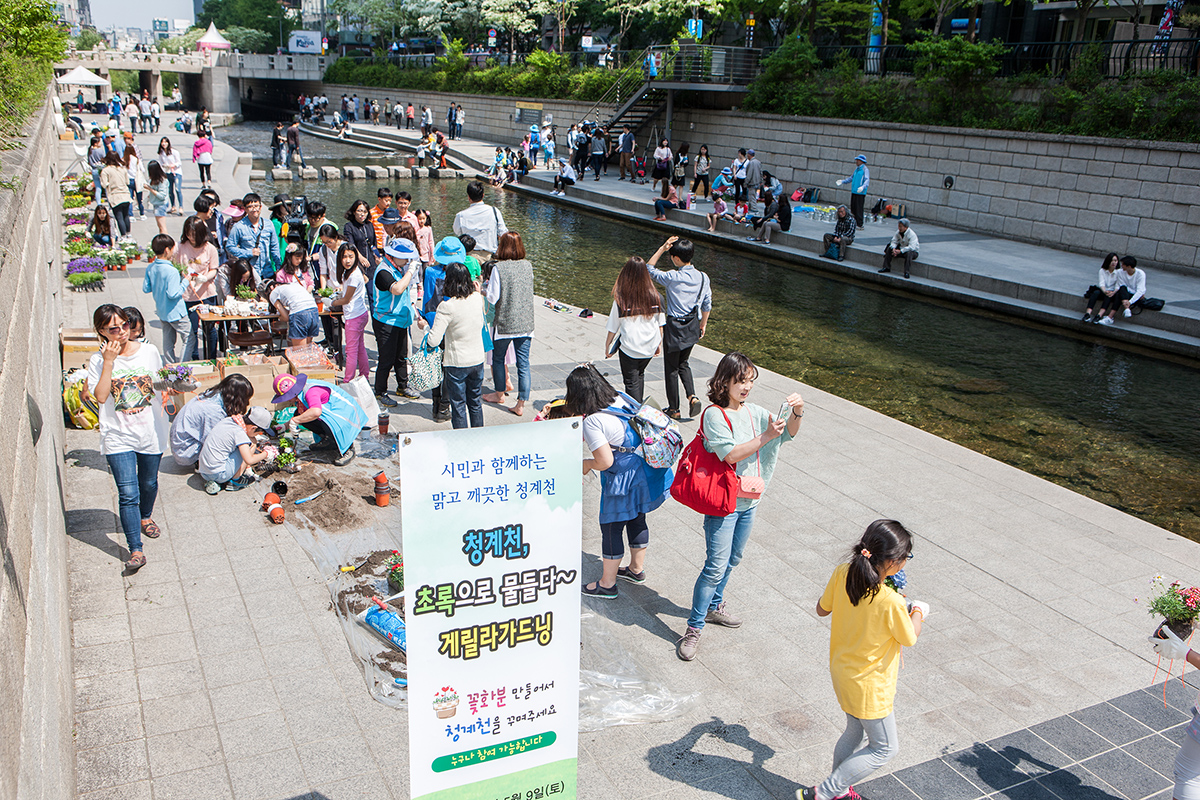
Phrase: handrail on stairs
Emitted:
{"points": [[629, 79]]}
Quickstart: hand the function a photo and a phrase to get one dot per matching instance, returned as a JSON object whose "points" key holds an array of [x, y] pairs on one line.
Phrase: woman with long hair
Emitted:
{"points": [[360, 231], [457, 323], [352, 300], [700, 168], [679, 170], [871, 622], [114, 179], [295, 268], [1105, 287], [200, 261], [668, 199], [133, 430], [101, 226], [635, 322], [230, 397], [748, 437], [234, 273], [160, 194], [172, 165], [629, 487], [662, 164], [136, 174]]}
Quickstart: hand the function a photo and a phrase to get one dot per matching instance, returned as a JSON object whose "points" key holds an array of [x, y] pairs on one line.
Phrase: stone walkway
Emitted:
{"points": [[219, 670], [1013, 278]]}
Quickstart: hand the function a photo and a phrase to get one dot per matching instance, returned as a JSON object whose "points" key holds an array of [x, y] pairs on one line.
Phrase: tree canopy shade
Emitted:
{"points": [[30, 44], [266, 16]]}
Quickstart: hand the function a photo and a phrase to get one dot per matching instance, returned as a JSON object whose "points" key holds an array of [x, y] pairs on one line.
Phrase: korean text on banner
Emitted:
{"points": [[492, 520]]}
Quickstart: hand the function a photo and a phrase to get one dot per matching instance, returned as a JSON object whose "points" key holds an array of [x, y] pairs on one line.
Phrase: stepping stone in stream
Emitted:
{"points": [[354, 173], [414, 173], [399, 172], [374, 171], [258, 174], [331, 173], [309, 174], [281, 174]]}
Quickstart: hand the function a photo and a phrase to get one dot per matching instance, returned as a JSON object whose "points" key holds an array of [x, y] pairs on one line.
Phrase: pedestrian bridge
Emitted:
{"points": [[217, 79]]}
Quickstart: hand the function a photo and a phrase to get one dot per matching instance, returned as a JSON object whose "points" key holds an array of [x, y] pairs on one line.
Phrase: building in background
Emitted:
{"points": [[76, 14]]}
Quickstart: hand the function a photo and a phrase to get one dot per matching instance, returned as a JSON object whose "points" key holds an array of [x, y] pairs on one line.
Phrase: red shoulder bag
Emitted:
{"points": [[704, 482]]}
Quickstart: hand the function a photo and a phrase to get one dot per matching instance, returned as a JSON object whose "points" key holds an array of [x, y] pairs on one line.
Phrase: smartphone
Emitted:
{"points": [[785, 408]]}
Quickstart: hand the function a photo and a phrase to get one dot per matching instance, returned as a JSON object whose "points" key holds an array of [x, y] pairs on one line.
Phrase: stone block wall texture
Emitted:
{"points": [[37, 755], [1083, 194]]}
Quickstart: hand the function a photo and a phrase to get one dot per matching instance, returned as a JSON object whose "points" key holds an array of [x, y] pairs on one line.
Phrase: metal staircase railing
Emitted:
{"points": [[627, 85]]}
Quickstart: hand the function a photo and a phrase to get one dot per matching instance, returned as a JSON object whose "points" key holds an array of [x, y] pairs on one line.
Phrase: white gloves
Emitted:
{"points": [[1172, 647], [922, 607], [292, 427], [841, 181]]}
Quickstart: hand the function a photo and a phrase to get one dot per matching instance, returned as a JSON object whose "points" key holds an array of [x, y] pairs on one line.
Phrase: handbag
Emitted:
{"points": [[703, 482], [833, 252], [425, 367], [681, 333]]}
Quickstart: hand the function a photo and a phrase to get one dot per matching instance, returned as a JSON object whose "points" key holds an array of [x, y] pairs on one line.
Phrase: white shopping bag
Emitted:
{"points": [[360, 389]]}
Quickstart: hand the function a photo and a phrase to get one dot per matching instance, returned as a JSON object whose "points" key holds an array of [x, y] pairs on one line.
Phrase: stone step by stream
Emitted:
{"points": [[370, 171]]}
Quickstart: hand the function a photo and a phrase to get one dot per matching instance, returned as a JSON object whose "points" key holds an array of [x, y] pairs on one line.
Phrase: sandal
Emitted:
{"points": [[631, 576], [135, 562], [150, 530]]}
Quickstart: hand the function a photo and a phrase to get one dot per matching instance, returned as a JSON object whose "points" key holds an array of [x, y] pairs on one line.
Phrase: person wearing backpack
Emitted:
{"points": [[629, 487], [747, 437], [634, 325]]}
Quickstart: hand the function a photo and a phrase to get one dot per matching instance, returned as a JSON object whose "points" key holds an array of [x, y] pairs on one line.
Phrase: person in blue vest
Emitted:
{"points": [[859, 182], [449, 250], [392, 314], [326, 410], [535, 143]]}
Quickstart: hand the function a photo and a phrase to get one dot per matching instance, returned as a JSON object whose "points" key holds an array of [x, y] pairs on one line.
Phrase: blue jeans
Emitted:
{"points": [[136, 475], [175, 189], [464, 389], [193, 338], [724, 540], [499, 351], [96, 181]]}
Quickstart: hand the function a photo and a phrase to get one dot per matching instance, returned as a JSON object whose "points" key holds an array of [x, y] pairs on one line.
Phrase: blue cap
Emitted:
{"points": [[450, 251], [403, 249], [861, 157]]}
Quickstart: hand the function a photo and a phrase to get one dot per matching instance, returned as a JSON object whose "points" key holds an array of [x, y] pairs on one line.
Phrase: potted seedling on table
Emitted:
{"points": [[244, 292], [1178, 605], [286, 460], [395, 571], [324, 298]]}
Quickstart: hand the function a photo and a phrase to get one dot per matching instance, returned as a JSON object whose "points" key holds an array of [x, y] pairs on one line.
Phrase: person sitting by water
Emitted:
{"points": [[904, 245], [842, 236], [1130, 291], [668, 199], [1105, 287], [778, 217], [723, 183], [718, 212], [565, 177]]}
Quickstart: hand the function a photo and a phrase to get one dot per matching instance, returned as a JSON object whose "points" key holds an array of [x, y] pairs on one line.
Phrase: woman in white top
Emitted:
{"points": [[636, 322], [352, 300], [200, 261], [137, 177], [133, 428], [459, 321], [1106, 286], [663, 162], [172, 165], [326, 257]]}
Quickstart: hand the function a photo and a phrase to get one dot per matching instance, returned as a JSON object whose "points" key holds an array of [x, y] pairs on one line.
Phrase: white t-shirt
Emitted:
{"points": [[601, 428], [640, 336], [358, 303], [224, 438], [294, 296], [132, 418]]}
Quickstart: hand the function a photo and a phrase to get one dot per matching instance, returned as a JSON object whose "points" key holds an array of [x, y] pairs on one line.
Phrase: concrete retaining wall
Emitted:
{"points": [[37, 755], [1084, 194]]}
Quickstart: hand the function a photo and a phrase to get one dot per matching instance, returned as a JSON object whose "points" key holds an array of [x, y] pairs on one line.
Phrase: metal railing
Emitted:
{"points": [[628, 81], [612, 59], [703, 63], [1051, 58]]}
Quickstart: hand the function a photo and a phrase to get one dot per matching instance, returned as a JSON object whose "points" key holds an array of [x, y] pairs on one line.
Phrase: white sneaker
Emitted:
{"points": [[142, 217], [1106, 321], [1128, 313]]}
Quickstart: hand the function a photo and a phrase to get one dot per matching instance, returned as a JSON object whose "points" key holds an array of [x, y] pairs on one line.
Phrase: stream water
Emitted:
{"points": [[1114, 425]]}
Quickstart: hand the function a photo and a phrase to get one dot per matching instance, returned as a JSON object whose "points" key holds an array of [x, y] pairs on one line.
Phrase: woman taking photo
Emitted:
{"points": [[458, 322], [748, 437], [635, 322], [133, 427], [871, 622], [352, 300], [629, 488], [114, 179], [700, 170], [172, 165], [662, 165], [199, 259], [1106, 286]]}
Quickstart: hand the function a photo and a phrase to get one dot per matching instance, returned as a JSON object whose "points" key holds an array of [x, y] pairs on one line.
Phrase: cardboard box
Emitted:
{"points": [[78, 346], [311, 361], [206, 374], [261, 376]]}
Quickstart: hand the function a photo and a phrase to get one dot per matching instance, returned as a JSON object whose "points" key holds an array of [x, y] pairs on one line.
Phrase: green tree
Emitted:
{"points": [[267, 16], [514, 17], [249, 40], [30, 43], [87, 39]]}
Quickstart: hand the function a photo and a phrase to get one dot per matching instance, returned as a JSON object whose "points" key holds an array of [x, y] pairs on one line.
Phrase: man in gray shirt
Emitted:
{"points": [[689, 302], [753, 180]]}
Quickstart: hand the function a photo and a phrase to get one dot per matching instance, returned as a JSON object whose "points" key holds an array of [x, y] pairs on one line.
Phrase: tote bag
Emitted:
{"points": [[425, 367], [704, 482]]}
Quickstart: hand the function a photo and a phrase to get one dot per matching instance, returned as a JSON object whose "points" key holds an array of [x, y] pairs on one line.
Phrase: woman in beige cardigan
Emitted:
{"points": [[459, 322], [114, 179]]}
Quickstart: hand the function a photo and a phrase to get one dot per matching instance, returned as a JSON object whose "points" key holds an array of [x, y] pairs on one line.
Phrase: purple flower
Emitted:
{"points": [[85, 264]]}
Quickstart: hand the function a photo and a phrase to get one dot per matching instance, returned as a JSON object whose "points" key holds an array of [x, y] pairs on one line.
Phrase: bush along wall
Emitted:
{"points": [[954, 84]]}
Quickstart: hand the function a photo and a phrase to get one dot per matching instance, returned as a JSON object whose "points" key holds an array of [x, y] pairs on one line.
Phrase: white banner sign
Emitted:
{"points": [[492, 521]]}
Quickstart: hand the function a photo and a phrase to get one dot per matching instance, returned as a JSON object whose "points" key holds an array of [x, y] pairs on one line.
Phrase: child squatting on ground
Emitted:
{"points": [[229, 450]]}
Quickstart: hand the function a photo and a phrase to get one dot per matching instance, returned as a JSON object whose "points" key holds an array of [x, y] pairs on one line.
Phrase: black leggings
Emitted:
{"points": [[701, 178], [611, 544], [120, 213], [1117, 302], [205, 173], [739, 189], [633, 375], [392, 344]]}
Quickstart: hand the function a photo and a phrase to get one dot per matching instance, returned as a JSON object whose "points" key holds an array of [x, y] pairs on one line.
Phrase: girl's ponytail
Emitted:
{"points": [[885, 541]]}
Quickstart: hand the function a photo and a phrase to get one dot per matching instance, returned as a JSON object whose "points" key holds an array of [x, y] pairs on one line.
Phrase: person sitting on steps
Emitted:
{"points": [[842, 236], [904, 245]]}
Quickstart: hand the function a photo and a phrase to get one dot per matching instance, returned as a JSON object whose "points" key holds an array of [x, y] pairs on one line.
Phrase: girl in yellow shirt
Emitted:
{"points": [[871, 622]]}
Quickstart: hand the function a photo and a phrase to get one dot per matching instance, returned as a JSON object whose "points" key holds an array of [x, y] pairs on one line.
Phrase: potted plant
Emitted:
{"points": [[324, 295], [395, 571], [177, 377], [286, 460], [1178, 605]]}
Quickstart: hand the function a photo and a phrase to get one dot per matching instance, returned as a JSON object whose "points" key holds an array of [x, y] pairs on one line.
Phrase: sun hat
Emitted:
{"points": [[390, 217], [233, 211], [403, 249], [280, 200], [861, 157], [533, 127], [727, 171], [450, 251], [288, 387], [259, 417]]}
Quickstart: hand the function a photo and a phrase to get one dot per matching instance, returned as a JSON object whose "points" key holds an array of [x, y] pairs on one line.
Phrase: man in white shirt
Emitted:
{"points": [[566, 177], [481, 221], [904, 245], [1131, 289]]}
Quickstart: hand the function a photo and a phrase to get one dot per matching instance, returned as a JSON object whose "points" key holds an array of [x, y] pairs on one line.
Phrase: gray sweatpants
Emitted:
{"points": [[853, 760]]}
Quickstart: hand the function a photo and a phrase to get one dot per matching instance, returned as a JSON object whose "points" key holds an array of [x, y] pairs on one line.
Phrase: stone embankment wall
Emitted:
{"points": [[37, 755], [1084, 194]]}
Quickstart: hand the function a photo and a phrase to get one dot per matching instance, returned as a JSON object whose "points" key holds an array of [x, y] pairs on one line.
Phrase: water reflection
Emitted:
{"points": [[1116, 426]]}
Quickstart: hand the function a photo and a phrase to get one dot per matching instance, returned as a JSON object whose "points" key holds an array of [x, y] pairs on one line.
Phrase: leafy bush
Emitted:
{"points": [[796, 60]]}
